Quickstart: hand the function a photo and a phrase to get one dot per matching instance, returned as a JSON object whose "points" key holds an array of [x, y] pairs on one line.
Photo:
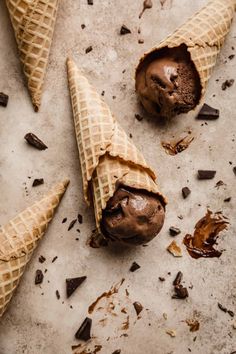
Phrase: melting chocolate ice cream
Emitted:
{"points": [[168, 83], [133, 216]]}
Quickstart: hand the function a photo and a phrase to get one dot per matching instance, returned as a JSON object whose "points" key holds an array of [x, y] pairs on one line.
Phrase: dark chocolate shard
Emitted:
{"points": [[89, 49], [186, 192], [227, 83], [3, 99], [138, 307], [72, 284], [83, 332], [58, 295], [33, 140], [178, 278], [42, 259], [124, 30], [174, 231], [38, 182], [208, 113], [135, 266], [72, 224], [38, 277], [206, 174]]}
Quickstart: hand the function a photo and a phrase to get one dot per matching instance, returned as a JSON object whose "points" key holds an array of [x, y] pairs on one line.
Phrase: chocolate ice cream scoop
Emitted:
{"points": [[133, 216], [168, 83]]}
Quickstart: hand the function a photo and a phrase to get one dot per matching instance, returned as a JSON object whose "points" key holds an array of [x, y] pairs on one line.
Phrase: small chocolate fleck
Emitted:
{"points": [[231, 313], [234, 170], [83, 26], [231, 56], [174, 231], [72, 224], [140, 41], [186, 192], [38, 277], [34, 141], [222, 308], [206, 174], [135, 266], [64, 220], [90, 2], [89, 49], [208, 113], [72, 284], [80, 219], [124, 30], [138, 307], [227, 83], [83, 332], [161, 279], [38, 182], [178, 278], [54, 259], [58, 295], [42, 259], [227, 200], [117, 351], [3, 99], [138, 117]]}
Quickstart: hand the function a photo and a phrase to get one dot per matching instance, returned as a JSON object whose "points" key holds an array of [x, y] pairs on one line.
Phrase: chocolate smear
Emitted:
{"points": [[107, 294], [208, 113], [147, 4], [186, 192], [193, 324], [42, 259], [124, 30], [227, 83], [206, 174], [206, 232], [38, 182], [38, 277], [174, 231], [135, 266], [72, 284], [176, 148], [34, 141], [84, 331], [3, 99], [72, 223], [138, 307]]}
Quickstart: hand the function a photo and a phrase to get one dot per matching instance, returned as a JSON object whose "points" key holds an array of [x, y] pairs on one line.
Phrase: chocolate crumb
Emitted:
{"points": [[38, 182], [124, 30], [64, 220], [206, 174], [58, 295], [83, 332], [186, 192], [138, 117], [42, 259], [34, 141], [3, 99], [138, 307], [38, 277], [72, 284], [135, 266], [89, 49], [208, 113], [54, 259], [174, 231], [226, 84], [72, 224], [80, 219]]}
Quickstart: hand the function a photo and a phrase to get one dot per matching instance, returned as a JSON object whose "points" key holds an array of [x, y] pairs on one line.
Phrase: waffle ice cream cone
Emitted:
{"points": [[203, 35], [20, 237], [108, 157], [33, 22]]}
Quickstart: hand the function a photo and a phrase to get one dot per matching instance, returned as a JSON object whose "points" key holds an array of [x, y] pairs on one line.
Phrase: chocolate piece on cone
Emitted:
{"points": [[108, 157], [33, 23], [20, 237], [201, 38]]}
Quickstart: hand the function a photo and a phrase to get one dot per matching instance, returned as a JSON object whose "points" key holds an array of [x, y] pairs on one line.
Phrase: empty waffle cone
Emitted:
{"points": [[108, 157], [20, 237], [33, 22], [203, 35]]}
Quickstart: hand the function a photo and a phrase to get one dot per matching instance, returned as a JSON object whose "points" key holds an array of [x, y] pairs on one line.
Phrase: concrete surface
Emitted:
{"points": [[38, 323]]}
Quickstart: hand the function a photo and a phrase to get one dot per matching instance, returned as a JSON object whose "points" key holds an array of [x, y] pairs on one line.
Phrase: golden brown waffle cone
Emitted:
{"points": [[108, 158], [203, 34], [33, 22], [19, 238]]}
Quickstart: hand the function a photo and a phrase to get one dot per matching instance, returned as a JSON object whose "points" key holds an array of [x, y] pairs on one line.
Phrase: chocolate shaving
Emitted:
{"points": [[206, 232], [208, 113], [174, 231], [176, 148], [42, 259], [135, 266], [3, 99], [138, 307], [147, 4], [83, 332], [206, 174], [186, 192], [124, 30], [38, 277], [38, 182], [72, 224], [34, 141], [72, 284]]}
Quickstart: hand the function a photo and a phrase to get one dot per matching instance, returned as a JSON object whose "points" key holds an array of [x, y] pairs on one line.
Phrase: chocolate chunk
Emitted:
{"points": [[72, 284], [206, 174], [138, 307], [54, 259], [3, 99], [38, 277], [208, 113], [227, 83], [185, 192], [117, 351], [124, 30], [38, 182], [231, 56], [234, 170], [135, 266], [80, 219], [90, 2], [89, 49], [58, 295], [180, 292], [72, 224], [174, 231], [64, 220], [178, 278], [83, 332], [42, 259], [33, 140], [227, 200], [138, 117]]}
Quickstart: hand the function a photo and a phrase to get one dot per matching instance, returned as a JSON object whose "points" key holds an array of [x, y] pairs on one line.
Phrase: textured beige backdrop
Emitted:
{"points": [[41, 324]]}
